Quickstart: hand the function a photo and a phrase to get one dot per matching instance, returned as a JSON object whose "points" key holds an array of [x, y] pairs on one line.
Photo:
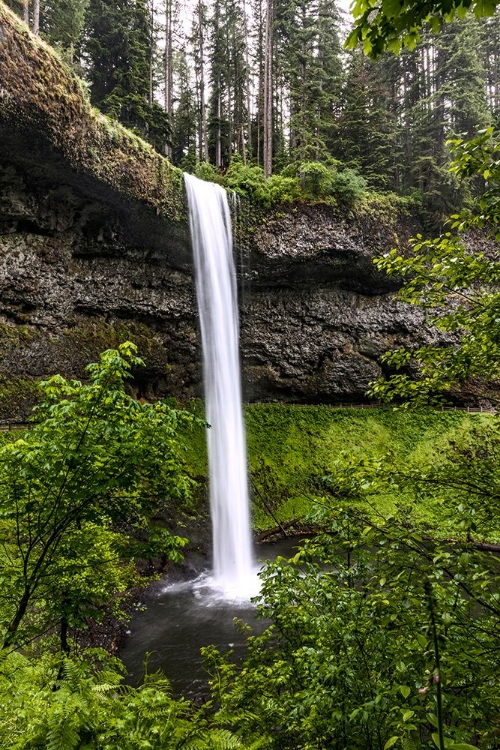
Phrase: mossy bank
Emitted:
{"points": [[292, 448]]}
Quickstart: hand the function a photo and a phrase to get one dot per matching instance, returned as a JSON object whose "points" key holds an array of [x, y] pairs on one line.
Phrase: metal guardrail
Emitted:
{"points": [[10, 426], [470, 409], [350, 405]]}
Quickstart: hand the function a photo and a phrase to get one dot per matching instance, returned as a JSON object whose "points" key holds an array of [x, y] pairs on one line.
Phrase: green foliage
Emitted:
{"points": [[316, 179], [62, 24], [117, 46], [306, 181], [63, 704], [390, 25], [458, 289], [377, 640], [249, 181], [205, 171], [246, 180], [457, 476], [292, 447], [283, 189], [308, 60], [319, 180], [349, 186], [93, 459]]}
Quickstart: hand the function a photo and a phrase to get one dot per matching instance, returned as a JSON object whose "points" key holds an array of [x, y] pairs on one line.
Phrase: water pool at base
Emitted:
{"points": [[180, 619]]}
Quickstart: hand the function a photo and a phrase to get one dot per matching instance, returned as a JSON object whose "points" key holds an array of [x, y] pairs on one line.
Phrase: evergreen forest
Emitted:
{"points": [[383, 629], [268, 88]]}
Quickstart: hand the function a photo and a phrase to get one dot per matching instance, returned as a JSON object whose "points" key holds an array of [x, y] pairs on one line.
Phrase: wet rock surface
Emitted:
{"points": [[320, 244], [321, 343], [315, 315]]}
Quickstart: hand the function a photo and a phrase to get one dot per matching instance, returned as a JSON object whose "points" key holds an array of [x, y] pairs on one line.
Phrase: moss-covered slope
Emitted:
{"points": [[47, 122], [291, 449]]}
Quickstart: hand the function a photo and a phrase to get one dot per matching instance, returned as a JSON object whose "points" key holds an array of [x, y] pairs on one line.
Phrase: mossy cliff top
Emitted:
{"points": [[47, 124], [53, 138]]}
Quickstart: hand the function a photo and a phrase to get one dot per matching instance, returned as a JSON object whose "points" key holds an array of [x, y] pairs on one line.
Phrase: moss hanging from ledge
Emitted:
{"points": [[42, 97]]}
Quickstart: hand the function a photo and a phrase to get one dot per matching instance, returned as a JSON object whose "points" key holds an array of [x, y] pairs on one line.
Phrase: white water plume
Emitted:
{"points": [[210, 222]]}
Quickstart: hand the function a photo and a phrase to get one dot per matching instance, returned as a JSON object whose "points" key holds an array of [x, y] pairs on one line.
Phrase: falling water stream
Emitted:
{"points": [[234, 572], [182, 617]]}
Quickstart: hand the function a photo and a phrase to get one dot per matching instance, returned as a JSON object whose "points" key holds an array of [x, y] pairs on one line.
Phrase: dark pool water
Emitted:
{"points": [[180, 618]]}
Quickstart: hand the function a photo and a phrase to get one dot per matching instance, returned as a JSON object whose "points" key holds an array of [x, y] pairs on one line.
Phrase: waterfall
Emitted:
{"points": [[211, 235]]}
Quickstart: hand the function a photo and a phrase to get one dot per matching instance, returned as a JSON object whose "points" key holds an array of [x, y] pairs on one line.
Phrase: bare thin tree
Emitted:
{"points": [[268, 91], [36, 17]]}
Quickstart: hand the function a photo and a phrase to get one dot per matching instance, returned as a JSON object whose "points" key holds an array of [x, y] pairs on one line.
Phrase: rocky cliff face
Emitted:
{"points": [[315, 315], [74, 280], [94, 249]]}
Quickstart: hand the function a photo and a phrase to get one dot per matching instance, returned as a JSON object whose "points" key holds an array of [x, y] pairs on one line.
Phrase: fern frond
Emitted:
{"points": [[62, 736]]}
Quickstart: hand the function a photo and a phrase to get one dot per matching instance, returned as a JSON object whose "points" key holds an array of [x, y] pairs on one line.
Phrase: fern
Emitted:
{"points": [[62, 736]]}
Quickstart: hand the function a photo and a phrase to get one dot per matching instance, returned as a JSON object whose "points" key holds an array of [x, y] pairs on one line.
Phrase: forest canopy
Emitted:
{"points": [[271, 84]]}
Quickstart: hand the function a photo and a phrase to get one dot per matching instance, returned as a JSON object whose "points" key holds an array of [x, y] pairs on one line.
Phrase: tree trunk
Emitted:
{"points": [[26, 12], [203, 148], [36, 17], [151, 56], [167, 69], [12, 628], [259, 105], [268, 91], [218, 137], [247, 85]]}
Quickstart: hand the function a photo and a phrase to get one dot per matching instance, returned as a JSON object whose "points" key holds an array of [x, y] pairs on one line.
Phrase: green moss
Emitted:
{"points": [[302, 444], [13, 336], [194, 439], [85, 342], [17, 396], [78, 346], [290, 449], [41, 94], [92, 338]]}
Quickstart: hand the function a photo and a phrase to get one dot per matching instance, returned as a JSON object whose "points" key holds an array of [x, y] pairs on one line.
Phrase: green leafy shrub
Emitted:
{"points": [[377, 640], [283, 189], [348, 186], [247, 180], [305, 181], [320, 180], [316, 179], [95, 459], [207, 172]]}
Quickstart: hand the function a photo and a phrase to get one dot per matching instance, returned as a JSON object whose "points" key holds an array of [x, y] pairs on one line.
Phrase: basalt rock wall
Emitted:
{"points": [[315, 315]]}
